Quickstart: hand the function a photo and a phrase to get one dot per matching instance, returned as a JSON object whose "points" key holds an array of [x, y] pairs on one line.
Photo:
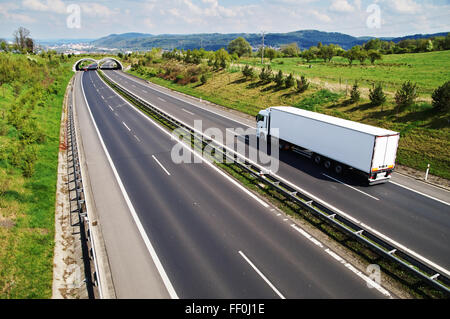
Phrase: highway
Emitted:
{"points": [[214, 239], [405, 217]]}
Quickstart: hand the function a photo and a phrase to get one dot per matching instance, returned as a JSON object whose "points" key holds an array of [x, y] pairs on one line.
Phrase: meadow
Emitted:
{"points": [[30, 107], [428, 70]]}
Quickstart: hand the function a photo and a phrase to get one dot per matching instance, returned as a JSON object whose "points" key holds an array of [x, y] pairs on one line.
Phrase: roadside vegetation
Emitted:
{"points": [[32, 89], [395, 91]]}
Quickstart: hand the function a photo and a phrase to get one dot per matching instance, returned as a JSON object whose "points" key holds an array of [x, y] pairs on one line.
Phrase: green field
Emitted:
{"points": [[30, 109], [425, 134], [428, 70]]}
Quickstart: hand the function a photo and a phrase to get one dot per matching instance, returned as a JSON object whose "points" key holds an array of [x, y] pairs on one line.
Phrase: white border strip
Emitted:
{"points": [[413, 190], [147, 242]]}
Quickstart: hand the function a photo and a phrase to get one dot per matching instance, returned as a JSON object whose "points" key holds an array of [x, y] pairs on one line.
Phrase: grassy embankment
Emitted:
{"points": [[30, 108], [425, 134]]}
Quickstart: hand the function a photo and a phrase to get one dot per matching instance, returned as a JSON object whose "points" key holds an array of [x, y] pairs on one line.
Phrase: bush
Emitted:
{"points": [[302, 84], [355, 95], [248, 72], [203, 79], [289, 82], [377, 96], [266, 74], [279, 80], [441, 98], [406, 95]]}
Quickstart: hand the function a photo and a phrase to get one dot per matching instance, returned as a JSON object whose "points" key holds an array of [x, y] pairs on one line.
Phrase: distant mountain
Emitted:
{"points": [[214, 41], [420, 36]]}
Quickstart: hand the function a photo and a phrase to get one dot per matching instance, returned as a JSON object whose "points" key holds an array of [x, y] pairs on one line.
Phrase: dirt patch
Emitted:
{"points": [[7, 223]]}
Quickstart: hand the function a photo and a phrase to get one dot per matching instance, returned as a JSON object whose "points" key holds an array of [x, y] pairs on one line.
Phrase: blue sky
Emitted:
{"points": [[47, 19]]}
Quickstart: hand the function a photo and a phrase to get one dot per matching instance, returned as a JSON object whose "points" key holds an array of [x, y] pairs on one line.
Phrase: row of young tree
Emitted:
{"points": [[405, 97], [266, 76]]}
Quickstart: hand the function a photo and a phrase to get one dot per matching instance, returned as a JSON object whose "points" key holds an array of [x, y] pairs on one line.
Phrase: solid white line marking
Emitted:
{"points": [[315, 198], [261, 275], [188, 111], [188, 148], [413, 190], [167, 172], [144, 236], [126, 126], [334, 179]]}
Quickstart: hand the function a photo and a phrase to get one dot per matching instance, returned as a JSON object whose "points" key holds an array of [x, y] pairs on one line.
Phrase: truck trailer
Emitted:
{"points": [[335, 143]]}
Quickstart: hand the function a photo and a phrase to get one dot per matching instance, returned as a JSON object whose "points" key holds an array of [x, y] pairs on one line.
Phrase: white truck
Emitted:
{"points": [[336, 143]]}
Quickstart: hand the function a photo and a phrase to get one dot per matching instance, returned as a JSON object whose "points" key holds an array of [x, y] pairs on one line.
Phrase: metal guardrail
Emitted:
{"points": [[88, 247], [436, 278]]}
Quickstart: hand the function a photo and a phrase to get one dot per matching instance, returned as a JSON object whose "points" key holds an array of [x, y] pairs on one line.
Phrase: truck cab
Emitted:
{"points": [[262, 123]]}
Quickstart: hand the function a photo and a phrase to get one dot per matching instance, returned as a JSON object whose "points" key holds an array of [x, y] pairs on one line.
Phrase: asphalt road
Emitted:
{"points": [[415, 221], [214, 239]]}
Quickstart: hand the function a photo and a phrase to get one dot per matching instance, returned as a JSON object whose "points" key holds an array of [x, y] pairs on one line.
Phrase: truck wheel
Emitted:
{"points": [[317, 159], [327, 164], [338, 169]]}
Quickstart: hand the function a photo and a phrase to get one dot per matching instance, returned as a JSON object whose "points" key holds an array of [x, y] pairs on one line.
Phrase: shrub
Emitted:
{"points": [[289, 82], [248, 72], [355, 95], [279, 80], [376, 95], [203, 79], [302, 84], [441, 98], [406, 95], [266, 74]]}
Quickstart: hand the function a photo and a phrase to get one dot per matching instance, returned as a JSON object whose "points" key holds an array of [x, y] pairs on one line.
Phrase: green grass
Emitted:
{"points": [[429, 70], [425, 134], [27, 204]]}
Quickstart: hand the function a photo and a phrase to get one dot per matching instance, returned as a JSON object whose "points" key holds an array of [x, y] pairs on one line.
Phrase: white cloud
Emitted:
{"points": [[321, 16], [97, 10], [405, 6], [5, 12], [56, 6], [341, 6]]}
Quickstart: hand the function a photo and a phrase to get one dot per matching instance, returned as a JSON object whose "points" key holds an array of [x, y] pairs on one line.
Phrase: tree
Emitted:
{"points": [[266, 74], [279, 80], [362, 56], [302, 84], [352, 55], [270, 53], [308, 55], [289, 82], [441, 98], [240, 46], [374, 56], [248, 72], [4, 46], [203, 79], [377, 96], [327, 52], [290, 50], [355, 95], [22, 40], [406, 95]]}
